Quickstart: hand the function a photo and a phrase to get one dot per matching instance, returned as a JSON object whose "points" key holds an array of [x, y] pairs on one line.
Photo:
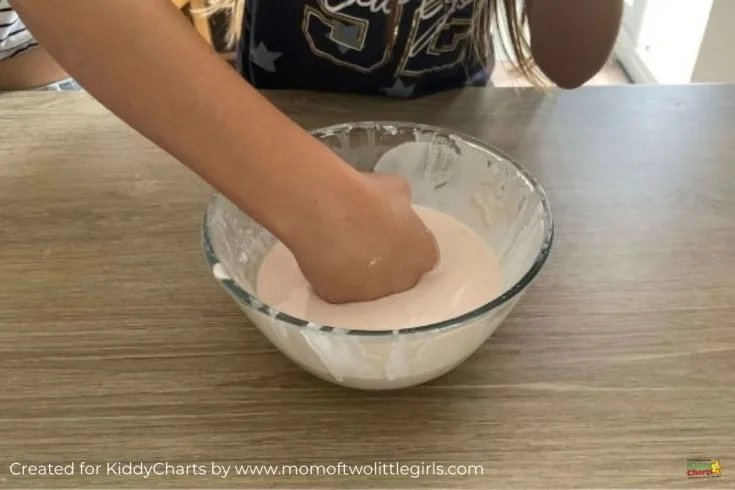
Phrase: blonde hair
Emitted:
{"points": [[235, 11], [509, 21]]}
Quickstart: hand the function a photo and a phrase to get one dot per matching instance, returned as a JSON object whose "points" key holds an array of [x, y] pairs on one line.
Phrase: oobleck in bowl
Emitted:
{"points": [[448, 172]]}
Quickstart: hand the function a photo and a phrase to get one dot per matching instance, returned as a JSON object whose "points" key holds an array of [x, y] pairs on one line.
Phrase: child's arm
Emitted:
{"points": [[571, 40], [144, 62]]}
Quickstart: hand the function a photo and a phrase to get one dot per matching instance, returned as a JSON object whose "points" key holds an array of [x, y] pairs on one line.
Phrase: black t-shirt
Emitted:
{"points": [[341, 46]]}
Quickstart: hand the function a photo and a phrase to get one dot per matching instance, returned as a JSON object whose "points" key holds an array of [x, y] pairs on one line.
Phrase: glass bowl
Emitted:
{"points": [[453, 173]]}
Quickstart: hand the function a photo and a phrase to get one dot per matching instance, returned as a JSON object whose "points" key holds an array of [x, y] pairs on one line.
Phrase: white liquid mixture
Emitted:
{"points": [[467, 277]]}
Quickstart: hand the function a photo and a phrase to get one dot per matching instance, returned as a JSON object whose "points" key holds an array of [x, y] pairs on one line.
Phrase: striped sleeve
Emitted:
{"points": [[14, 37]]}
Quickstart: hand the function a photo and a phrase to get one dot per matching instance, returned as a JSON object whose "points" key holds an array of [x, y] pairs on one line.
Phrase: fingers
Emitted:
{"points": [[367, 291], [435, 253], [395, 185], [396, 233], [427, 255]]}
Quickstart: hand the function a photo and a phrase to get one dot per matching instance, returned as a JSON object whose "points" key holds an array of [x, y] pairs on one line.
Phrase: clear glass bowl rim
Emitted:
{"points": [[240, 295]]}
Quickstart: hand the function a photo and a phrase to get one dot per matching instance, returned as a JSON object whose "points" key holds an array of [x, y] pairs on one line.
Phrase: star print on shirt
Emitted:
{"points": [[346, 37], [260, 56], [399, 89]]}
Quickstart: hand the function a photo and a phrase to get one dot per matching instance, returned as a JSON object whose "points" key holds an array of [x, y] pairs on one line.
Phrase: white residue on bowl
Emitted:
{"points": [[390, 129], [220, 273], [397, 363]]}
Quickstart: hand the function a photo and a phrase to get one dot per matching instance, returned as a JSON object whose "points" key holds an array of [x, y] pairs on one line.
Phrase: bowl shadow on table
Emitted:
{"points": [[345, 420]]}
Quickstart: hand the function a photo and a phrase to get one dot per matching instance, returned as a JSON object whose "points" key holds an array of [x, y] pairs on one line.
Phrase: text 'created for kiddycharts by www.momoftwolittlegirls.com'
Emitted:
{"points": [[226, 470]]}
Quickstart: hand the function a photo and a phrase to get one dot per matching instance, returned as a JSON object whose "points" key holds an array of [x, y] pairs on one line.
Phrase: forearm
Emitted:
{"points": [[572, 39], [33, 68], [144, 62]]}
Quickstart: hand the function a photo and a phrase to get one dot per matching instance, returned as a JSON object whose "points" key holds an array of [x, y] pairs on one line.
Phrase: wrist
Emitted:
{"points": [[327, 200], [315, 189]]}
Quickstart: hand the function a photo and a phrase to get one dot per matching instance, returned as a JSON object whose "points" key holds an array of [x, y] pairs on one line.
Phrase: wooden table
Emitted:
{"points": [[116, 345]]}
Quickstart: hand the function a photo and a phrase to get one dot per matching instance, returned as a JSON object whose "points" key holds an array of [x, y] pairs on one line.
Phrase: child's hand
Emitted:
{"points": [[373, 247]]}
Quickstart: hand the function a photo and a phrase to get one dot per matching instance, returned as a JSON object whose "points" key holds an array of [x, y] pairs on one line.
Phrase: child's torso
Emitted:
{"points": [[340, 46]]}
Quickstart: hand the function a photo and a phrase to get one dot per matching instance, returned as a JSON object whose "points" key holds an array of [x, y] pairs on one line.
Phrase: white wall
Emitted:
{"points": [[679, 41], [660, 39], [716, 59], [670, 37]]}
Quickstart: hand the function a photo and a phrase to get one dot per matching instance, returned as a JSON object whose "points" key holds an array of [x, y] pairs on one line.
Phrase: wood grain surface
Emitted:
{"points": [[116, 345]]}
